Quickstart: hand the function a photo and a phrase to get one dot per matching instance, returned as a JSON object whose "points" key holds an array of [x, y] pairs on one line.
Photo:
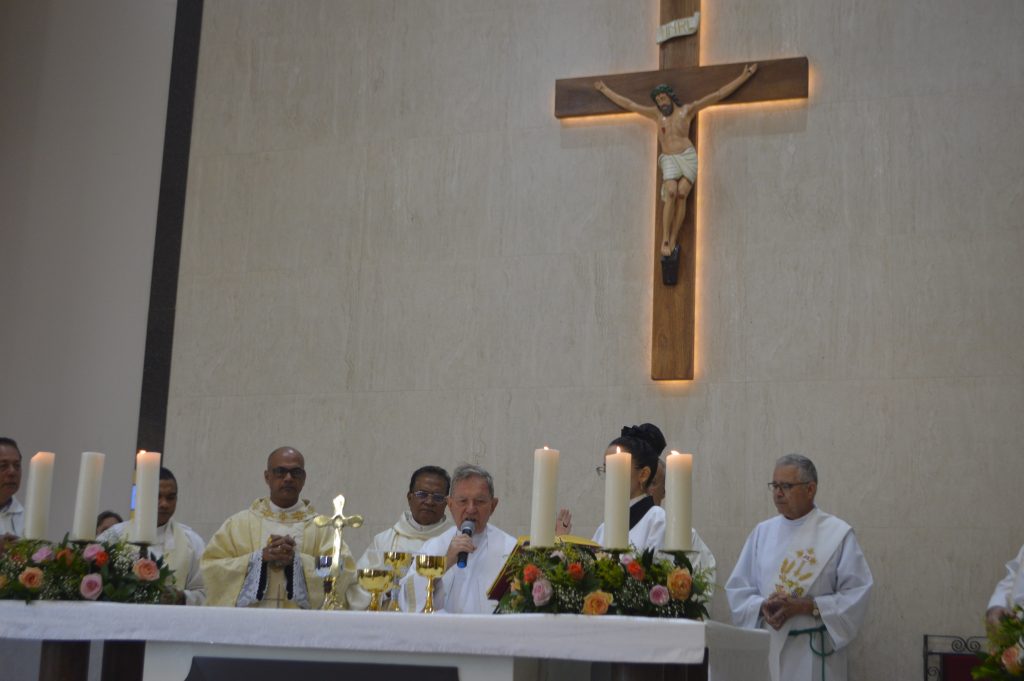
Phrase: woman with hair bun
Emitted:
{"points": [[646, 519]]}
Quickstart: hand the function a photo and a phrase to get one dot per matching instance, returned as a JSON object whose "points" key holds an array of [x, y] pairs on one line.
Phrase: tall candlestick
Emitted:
{"points": [[87, 501], [545, 482], [616, 499], [678, 502], [37, 502], [147, 490]]}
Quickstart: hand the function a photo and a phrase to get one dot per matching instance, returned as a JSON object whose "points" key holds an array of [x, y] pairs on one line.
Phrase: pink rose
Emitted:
{"points": [[146, 570], [626, 558], [91, 587], [542, 592], [659, 594], [31, 578], [42, 555], [91, 551]]}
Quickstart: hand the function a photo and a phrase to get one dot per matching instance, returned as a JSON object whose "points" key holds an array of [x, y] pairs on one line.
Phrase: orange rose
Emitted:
{"points": [[530, 573], [101, 559], [146, 570], [575, 571], [680, 584], [596, 603], [1011, 660], [635, 570], [31, 578], [67, 555]]}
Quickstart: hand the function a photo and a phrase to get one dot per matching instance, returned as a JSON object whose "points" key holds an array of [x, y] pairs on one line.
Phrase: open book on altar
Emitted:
{"points": [[504, 579]]}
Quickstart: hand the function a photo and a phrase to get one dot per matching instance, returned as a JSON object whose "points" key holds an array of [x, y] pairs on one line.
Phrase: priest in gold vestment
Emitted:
{"points": [[265, 556]]}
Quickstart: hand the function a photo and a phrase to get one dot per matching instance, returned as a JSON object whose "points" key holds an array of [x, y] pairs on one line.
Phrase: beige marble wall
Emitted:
{"points": [[395, 255]]}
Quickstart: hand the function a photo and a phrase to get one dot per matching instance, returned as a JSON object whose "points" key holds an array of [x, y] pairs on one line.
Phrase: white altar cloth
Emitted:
{"points": [[535, 636]]}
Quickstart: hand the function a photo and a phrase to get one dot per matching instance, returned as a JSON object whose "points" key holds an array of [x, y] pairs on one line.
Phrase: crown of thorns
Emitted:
{"points": [[665, 89]]}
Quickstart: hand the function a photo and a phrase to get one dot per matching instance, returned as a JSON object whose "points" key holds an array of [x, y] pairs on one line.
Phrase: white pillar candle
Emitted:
{"points": [[545, 482], [678, 502], [147, 491], [87, 501], [616, 499], [37, 502]]}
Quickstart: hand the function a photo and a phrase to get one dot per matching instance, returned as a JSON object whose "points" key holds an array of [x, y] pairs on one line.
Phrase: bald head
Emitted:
{"points": [[285, 476]]}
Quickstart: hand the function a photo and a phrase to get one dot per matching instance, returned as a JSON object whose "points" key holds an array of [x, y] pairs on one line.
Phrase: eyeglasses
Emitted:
{"points": [[280, 472], [433, 496], [602, 469], [785, 486]]}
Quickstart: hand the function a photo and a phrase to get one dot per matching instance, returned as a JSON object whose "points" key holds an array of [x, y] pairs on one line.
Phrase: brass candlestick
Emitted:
{"points": [[430, 567]]}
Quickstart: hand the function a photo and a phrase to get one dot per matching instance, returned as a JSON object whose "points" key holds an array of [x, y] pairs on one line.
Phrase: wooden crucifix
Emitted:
{"points": [[672, 336]]}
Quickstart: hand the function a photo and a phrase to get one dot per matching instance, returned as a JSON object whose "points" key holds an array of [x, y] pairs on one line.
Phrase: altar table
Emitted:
{"points": [[491, 647]]}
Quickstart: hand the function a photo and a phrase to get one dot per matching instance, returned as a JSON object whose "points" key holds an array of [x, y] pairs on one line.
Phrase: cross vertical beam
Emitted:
{"points": [[673, 319]]}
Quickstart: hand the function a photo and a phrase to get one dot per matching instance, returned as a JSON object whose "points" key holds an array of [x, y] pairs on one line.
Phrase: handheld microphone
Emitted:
{"points": [[467, 527]]}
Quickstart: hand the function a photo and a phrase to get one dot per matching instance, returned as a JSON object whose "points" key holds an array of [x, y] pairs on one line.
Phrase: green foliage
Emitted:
{"points": [[73, 571], [562, 580]]}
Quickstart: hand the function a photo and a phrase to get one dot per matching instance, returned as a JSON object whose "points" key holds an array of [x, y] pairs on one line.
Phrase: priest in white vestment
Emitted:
{"points": [[177, 544], [464, 589], [1008, 592], [425, 519], [265, 556], [801, 575], [12, 513]]}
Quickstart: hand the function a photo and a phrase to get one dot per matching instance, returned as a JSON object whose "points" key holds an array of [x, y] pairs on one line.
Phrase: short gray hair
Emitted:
{"points": [[468, 470], [808, 473]]}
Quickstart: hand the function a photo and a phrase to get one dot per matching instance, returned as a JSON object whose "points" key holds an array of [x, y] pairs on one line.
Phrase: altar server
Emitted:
{"points": [[646, 518], [12, 513], [180, 547], [265, 556], [802, 575], [464, 589]]}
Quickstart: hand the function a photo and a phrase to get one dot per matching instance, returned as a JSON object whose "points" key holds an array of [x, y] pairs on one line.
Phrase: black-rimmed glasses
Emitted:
{"points": [[280, 472]]}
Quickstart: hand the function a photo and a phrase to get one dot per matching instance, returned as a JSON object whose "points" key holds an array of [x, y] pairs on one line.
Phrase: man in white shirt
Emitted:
{"points": [[803, 576], [12, 514], [427, 498], [180, 547], [464, 589], [1008, 593]]}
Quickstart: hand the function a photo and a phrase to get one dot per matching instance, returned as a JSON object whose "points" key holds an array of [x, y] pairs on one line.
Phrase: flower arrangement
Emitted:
{"points": [[38, 570], [576, 578], [1006, 649]]}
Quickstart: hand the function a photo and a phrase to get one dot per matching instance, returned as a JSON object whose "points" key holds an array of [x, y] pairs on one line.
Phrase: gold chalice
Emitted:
{"points": [[399, 562], [430, 567], [374, 580]]}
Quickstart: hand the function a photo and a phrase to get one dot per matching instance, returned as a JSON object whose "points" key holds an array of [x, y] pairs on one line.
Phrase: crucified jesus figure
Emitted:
{"points": [[678, 158]]}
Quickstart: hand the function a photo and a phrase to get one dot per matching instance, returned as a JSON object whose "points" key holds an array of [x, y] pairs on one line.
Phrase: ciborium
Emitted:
{"points": [[376, 581], [399, 561], [430, 567]]}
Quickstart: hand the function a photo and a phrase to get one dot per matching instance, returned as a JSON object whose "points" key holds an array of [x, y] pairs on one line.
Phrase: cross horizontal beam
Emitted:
{"points": [[776, 79]]}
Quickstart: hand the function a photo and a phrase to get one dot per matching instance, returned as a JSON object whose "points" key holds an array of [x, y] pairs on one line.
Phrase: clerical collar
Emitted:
{"points": [[423, 528], [297, 506]]}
